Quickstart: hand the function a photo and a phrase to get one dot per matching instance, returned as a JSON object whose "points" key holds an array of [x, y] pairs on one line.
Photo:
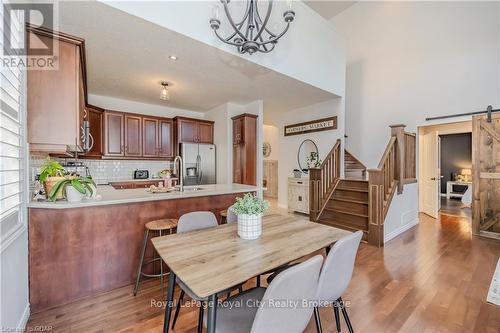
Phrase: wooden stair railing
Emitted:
{"points": [[323, 181], [397, 167]]}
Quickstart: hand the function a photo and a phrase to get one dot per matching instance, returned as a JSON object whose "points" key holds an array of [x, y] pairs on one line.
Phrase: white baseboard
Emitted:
{"points": [[21, 326], [400, 230]]}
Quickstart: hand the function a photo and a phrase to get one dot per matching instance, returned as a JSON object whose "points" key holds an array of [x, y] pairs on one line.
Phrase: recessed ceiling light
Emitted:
{"points": [[172, 57]]}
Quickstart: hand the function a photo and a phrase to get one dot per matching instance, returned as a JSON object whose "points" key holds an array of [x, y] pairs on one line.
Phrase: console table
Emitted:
{"points": [[449, 188]]}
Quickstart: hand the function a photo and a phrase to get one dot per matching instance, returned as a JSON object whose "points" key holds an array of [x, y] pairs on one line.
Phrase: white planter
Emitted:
{"points": [[72, 195], [249, 226]]}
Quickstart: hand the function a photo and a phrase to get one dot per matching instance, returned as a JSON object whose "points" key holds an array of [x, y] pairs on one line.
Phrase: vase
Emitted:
{"points": [[249, 226], [72, 195], [49, 183]]}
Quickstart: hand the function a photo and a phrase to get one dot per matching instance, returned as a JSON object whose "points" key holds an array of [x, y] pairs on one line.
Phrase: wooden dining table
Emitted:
{"points": [[211, 260]]}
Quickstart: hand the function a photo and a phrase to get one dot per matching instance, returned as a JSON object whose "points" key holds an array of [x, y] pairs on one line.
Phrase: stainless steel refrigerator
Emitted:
{"points": [[199, 163]]}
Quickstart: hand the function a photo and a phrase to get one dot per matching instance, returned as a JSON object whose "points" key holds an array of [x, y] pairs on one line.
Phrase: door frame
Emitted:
{"points": [[442, 129]]}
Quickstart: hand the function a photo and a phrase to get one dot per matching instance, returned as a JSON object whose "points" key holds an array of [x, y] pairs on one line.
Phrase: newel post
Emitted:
{"points": [[376, 207], [398, 131], [314, 193]]}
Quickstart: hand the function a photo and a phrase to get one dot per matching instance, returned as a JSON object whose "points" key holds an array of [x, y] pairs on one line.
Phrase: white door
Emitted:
{"points": [[431, 174]]}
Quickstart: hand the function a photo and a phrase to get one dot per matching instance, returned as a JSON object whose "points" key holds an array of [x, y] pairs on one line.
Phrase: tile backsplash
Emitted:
{"points": [[104, 171]]}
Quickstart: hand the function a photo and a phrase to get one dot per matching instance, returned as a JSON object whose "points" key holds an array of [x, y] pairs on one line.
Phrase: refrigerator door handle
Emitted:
{"points": [[198, 168], [200, 177]]}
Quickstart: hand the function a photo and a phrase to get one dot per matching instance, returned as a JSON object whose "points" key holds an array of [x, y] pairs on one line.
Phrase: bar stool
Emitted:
{"points": [[227, 216], [160, 228], [223, 216]]}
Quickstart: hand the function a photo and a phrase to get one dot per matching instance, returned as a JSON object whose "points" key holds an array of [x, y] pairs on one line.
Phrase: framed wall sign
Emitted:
{"points": [[317, 125]]}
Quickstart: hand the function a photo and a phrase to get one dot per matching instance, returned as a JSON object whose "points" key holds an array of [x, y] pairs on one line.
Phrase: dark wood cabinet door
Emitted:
{"points": [[205, 132], [113, 134], [237, 164], [188, 130], [237, 130], [133, 136], [166, 138], [96, 123], [150, 137]]}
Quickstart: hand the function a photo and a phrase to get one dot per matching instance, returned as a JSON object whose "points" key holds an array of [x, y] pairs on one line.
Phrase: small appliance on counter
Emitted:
{"points": [[141, 174], [76, 168]]}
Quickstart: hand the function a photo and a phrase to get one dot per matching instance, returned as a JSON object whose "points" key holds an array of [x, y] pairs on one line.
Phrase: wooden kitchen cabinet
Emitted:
{"points": [[95, 116], [55, 98], [150, 146], [166, 138], [133, 136], [245, 149], [194, 130], [114, 136]]}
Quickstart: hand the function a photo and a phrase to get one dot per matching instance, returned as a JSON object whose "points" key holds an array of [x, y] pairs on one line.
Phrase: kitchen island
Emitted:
{"points": [[81, 249]]}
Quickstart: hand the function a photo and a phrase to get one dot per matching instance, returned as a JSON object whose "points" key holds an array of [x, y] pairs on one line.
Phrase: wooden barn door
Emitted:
{"points": [[486, 176]]}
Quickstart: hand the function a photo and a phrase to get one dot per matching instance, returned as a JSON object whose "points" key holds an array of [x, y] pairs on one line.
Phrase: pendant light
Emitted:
{"points": [[164, 94]]}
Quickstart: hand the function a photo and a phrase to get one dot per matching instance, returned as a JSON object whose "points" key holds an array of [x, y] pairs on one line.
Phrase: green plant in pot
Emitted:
{"points": [[73, 188], [313, 160], [249, 210], [51, 173]]}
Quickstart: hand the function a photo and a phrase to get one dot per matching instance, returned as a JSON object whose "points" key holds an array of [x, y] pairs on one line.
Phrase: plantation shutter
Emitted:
{"points": [[12, 147]]}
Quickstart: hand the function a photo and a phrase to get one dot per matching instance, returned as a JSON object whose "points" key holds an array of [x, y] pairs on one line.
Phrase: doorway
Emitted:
{"points": [[445, 169]]}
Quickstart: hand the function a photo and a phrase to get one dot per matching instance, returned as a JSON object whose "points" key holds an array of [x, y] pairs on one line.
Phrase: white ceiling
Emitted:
{"points": [[128, 57], [329, 8]]}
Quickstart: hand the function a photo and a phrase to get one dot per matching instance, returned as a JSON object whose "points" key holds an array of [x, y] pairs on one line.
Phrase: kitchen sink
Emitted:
{"points": [[186, 189]]}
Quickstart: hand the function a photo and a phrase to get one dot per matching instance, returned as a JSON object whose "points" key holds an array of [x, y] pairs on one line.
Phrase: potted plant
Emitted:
{"points": [[313, 160], [249, 210], [73, 188], [50, 174]]}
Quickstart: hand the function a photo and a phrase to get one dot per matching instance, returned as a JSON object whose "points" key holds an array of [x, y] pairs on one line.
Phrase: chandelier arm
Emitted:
{"points": [[268, 14], [239, 25], [244, 16], [228, 15], [272, 34], [226, 41], [274, 39]]}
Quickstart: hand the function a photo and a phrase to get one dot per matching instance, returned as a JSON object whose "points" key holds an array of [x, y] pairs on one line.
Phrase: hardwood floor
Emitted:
{"points": [[433, 278], [455, 207]]}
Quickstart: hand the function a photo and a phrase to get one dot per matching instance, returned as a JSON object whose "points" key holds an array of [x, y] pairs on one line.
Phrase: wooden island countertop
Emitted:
{"points": [[79, 251]]}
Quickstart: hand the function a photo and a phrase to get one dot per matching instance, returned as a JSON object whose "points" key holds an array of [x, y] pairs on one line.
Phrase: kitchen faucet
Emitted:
{"points": [[179, 174]]}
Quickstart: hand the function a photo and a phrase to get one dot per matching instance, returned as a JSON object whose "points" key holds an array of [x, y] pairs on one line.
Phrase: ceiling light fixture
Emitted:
{"points": [[172, 57], [164, 94], [251, 33]]}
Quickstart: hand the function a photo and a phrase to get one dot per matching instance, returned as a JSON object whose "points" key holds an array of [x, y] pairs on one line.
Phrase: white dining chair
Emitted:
{"points": [[296, 284], [335, 277], [191, 222], [231, 216]]}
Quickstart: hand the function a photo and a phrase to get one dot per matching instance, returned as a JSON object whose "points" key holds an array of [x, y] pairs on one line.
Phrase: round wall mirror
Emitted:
{"points": [[306, 148]]}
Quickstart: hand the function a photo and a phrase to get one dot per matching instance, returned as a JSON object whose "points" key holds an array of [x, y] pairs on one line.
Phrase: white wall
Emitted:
{"points": [[411, 60], [289, 145], [311, 51], [223, 137], [118, 104], [272, 135]]}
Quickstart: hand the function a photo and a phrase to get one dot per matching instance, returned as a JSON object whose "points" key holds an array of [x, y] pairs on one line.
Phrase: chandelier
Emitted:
{"points": [[251, 34]]}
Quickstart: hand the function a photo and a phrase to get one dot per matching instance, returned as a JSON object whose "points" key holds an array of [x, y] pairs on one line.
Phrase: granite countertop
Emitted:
{"points": [[107, 195]]}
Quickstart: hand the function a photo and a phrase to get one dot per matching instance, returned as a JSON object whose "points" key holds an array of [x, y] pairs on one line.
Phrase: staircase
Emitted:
{"points": [[353, 168], [361, 199], [347, 208]]}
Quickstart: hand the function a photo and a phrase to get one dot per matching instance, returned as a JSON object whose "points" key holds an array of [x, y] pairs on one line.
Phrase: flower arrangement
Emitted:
{"points": [[313, 160], [249, 205]]}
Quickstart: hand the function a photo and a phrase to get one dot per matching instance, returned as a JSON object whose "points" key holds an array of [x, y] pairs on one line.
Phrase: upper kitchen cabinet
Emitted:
{"points": [[133, 136], [56, 97], [166, 138], [150, 147], [194, 130], [114, 136], [245, 149], [95, 116]]}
